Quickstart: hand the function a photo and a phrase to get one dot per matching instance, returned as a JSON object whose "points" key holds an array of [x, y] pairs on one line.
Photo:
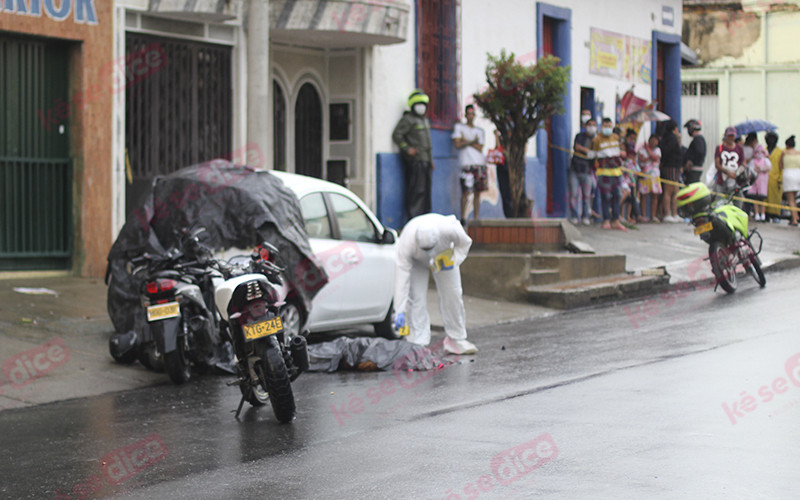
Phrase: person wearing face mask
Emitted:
{"points": [[579, 176], [412, 134], [606, 149], [438, 244]]}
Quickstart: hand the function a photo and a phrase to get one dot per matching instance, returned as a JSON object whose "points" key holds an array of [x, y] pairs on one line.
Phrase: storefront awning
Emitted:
{"points": [[338, 23], [208, 11], [688, 56]]}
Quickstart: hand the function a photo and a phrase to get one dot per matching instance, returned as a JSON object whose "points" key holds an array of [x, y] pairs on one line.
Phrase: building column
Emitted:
{"points": [[258, 82]]}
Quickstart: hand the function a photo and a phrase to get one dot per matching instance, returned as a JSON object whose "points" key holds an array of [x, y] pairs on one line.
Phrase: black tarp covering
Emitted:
{"points": [[238, 206]]}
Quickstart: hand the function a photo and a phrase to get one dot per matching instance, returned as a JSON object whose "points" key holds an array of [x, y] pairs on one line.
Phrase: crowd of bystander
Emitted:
{"points": [[637, 181]]}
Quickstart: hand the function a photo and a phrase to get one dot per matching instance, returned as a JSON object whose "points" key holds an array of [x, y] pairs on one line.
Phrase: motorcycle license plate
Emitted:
{"points": [[708, 226], [263, 329], [163, 311]]}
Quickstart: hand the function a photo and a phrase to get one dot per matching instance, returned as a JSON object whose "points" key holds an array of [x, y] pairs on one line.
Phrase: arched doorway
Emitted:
{"points": [[308, 132], [278, 127]]}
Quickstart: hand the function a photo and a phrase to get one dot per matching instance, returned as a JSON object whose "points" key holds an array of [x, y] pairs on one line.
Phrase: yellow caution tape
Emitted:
{"points": [[679, 184]]}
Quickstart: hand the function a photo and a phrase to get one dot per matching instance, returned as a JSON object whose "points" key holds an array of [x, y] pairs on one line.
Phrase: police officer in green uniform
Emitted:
{"points": [[413, 136]]}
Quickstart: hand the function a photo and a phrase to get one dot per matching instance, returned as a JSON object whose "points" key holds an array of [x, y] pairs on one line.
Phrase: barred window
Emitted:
{"points": [[689, 88], [436, 61], [709, 88]]}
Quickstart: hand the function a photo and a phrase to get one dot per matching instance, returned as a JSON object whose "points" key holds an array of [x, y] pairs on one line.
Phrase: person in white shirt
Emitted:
{"points": [[438, 244], [469, 140]]}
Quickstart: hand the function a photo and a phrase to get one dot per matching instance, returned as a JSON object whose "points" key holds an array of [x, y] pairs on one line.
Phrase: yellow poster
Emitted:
{"points": [[620, 56]]}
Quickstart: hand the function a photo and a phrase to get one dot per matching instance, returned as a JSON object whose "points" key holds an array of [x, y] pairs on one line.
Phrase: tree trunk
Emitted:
{"points": [[520, 204]]}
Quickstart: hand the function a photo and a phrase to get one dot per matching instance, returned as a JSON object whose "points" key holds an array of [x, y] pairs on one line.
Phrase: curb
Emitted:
{"points": [[783, 264], [625, 294]]}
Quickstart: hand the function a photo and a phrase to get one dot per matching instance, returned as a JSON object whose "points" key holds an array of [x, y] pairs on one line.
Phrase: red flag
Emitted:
{"points": [[630, 104]]}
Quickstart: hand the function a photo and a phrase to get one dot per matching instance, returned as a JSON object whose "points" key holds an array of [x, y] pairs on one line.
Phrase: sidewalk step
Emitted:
{"points": [[544, 277], [586, 292], [580, 266]]}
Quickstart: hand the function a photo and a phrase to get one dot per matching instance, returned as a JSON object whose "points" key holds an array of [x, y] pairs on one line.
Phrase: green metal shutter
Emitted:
{"points": [[35, 168]]}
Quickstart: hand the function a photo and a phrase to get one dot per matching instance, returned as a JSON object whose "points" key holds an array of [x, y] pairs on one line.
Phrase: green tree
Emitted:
{"points": [[518, 99]]}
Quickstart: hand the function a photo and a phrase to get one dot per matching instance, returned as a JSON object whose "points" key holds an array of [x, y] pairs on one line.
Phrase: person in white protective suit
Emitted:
{"points": [[438, 244]]}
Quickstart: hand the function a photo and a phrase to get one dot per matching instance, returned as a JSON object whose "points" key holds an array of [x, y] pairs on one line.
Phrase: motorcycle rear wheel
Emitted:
{"points": [[723, 265], [276, 379], [176, 363], [151, 359], [254, 394]]}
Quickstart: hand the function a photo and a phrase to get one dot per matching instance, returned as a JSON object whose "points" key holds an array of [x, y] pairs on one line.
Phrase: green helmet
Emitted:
{"points": [[692, 199], [416, 97]]}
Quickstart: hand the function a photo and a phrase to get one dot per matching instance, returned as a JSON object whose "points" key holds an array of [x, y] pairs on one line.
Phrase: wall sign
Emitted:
{"points": [[83, 11], [620, 56], [667, 15]]}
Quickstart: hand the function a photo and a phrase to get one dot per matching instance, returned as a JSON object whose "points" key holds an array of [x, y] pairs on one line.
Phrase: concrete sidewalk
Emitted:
{"points": [[648, 246], [74, 320], [675, 246]]}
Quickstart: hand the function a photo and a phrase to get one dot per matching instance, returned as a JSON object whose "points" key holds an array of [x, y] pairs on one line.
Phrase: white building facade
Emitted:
{"points": [[748, 67], [340, 73], [611, 47], [316, 87]]}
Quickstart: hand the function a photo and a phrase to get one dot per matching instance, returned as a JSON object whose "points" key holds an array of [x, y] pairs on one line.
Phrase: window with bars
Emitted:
{"points": [[437, 67], [710, 87], [181, 114]]}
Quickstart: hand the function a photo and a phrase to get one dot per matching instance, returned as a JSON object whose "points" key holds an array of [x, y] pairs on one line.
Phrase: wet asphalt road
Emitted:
{"points": [[692, 397]]}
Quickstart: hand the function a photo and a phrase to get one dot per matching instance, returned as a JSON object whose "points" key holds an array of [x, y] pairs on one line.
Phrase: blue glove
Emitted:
{"points": [[399, 321]]}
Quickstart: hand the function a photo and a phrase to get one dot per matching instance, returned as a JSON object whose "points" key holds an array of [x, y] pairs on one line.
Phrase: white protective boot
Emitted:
{"points": [[462, 346]]}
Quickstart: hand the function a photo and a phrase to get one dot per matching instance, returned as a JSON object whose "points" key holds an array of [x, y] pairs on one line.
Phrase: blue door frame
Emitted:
{"points": [[561, 124], [672, 73]]}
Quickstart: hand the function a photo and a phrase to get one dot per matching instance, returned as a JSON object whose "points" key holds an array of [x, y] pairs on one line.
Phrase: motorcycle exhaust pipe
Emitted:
{"points": [[299, 349]]}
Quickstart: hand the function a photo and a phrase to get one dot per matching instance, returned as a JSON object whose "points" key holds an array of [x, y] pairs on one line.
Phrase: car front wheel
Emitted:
{"points": [[385, 328], [292, 319]]}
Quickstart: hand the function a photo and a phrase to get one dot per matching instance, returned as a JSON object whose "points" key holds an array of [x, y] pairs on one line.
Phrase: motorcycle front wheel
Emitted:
{"points": [[385, 328], [276, 379], [753, 267], [723, 265]]}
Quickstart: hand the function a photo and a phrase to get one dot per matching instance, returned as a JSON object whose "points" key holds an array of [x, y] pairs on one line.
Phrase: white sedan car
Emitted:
{"points": [[357, 252]]}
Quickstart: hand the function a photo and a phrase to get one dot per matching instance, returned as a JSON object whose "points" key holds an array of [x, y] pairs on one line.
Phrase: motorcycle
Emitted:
{"points": [[724, 227], [182, 328], [268, 357]]}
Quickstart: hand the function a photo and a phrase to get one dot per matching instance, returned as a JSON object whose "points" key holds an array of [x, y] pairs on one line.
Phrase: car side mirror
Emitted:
{"points": [[389, 236]]}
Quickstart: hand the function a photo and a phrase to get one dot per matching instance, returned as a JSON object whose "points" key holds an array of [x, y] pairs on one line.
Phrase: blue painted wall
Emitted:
{"points": [[672, 70], [446, 188], [561, 124]]}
